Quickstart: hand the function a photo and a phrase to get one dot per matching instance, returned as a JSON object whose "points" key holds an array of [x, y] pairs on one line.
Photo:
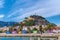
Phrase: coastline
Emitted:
{"points": [[50, 36], [30, 35]]}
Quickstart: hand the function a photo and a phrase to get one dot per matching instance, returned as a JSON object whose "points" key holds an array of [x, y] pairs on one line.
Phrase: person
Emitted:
{"points": [[7, 31], [19, 31], [24, 30], [14, 31], [34, 30], [3, 30]]}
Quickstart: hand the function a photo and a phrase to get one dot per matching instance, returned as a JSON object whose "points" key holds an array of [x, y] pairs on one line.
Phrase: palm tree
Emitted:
{"points": [[10, 29], [0, 31], [50, 25], [40, 29], [29, 30]]}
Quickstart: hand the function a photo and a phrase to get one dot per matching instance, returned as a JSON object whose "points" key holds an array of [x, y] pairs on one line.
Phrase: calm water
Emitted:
{"points": [[24, 38], [14, 38]]}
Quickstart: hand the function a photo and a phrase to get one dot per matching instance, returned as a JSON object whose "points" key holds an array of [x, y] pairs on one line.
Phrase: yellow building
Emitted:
{"points": [[30, 18]]}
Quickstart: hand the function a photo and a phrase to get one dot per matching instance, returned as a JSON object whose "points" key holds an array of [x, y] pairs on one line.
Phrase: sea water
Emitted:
{"points": [[26, 38], [14, 38]]}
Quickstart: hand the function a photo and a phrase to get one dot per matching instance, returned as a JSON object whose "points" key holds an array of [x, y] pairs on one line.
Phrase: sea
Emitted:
{"points": [[14, 38], [25, 38]]}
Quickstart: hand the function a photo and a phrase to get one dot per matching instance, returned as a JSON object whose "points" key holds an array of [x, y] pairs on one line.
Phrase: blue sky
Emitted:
{"points": [[17, 10]]}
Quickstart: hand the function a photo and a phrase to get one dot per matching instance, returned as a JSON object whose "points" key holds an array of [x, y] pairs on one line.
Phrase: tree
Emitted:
{"points": [[0, 31], [29, 23], [40, 29], [50, 25], [10, 29]]}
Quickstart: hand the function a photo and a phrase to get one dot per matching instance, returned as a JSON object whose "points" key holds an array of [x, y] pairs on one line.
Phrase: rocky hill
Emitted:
{"points": [[35, 20]]}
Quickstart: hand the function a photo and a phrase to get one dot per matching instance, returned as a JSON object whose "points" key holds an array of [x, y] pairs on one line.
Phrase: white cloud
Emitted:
{"points": [[13, 13], [17, 9], [46, 8], [1, 3], [1, 16]]}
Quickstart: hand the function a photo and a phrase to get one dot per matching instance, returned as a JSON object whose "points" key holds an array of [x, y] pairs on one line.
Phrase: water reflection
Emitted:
{"points": [[26, 38]]}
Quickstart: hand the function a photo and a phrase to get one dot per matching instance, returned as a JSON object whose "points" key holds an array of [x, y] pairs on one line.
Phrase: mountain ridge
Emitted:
{"points": [[29, 21]]}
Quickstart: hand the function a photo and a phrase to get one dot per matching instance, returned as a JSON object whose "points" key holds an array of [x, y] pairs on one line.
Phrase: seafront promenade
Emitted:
{"points": [[44, 36], [38, 35]]}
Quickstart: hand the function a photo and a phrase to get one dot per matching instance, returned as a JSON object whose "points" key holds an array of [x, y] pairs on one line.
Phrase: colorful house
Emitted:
{"points": [[24, 30]]}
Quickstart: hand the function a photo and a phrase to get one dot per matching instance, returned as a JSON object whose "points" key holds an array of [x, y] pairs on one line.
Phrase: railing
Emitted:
{"points": [[29, 36]]}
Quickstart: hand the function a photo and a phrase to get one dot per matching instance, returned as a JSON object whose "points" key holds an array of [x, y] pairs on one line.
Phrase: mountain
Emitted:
{"points": [[39, 20], [2, 24], [29, 21], [36, 20]]}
